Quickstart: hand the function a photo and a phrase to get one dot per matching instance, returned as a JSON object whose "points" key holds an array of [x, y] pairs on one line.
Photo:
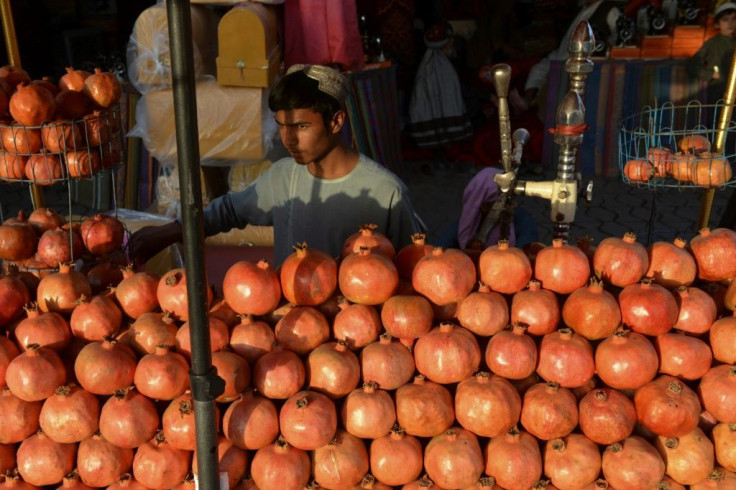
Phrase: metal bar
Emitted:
{"points": [[187, 133], [11, 44], [720, 142]]}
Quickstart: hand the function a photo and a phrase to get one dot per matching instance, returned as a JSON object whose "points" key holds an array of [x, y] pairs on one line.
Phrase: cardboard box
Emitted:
{"points": [[229, 120], [249, 54], [625, 52]]}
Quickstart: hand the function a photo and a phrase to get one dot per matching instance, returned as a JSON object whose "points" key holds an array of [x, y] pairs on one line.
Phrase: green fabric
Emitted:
{"points": [[716, 51]]}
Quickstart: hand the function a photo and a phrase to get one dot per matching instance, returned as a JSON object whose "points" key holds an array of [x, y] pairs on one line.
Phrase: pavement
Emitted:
{"points": [[658, 214], [436, 189]]}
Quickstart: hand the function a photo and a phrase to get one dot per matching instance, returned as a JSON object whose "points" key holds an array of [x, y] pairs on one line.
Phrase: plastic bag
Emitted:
{"points": [[148, 53], [234, 124]]}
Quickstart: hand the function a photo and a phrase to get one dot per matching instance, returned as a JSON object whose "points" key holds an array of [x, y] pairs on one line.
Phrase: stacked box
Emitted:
{"points": [[656, 47], [687, 40], [625, 52]]}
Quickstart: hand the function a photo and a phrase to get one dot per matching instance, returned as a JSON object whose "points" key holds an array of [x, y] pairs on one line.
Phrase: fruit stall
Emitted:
{"points": [[554, 366]]}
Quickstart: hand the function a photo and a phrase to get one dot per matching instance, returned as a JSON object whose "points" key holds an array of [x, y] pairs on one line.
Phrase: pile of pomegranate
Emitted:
{"points": [[51, 131], [549, 367], [693, 164]]}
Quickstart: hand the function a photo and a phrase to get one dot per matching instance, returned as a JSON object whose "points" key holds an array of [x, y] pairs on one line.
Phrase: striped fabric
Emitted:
{"points": [[373, 113], [614, 90]]}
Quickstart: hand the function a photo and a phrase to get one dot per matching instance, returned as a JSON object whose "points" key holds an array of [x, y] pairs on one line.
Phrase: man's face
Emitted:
{"points": [[727, 24], [304, 134]]}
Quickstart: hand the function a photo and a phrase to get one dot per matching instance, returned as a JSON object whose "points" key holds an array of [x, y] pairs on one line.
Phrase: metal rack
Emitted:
{"points": [[659, 136]]}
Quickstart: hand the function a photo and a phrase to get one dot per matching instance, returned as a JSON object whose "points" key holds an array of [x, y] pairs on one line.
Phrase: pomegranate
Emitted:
{"points": [[670, 264], [357, 325], [504, 268], [396, 458], [549, 411], [715, 253], [561, 268], [621, 261], [453, 459], [572, 462], [251, 421], [407, 316], [308, 420], [367, 236], [688, 459], [487, 405], [406, 259], [368, 412], [333, 369], [566, 358], [667, 407], [606, 416], [387, 362], [424, 408], [717, 389], [511, 353], [447, 354], [632, 463], [105, 366], [341, 463], [308, 276], [70, 415], [445, 276], [537, 308], [626, 360], [648, 308], [513, 459], [483, 312], [128, 419], [280, 466], [367, 278]]}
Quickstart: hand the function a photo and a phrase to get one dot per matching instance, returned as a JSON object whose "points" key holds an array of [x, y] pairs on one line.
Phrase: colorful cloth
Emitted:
{"points": [[480, 190]]}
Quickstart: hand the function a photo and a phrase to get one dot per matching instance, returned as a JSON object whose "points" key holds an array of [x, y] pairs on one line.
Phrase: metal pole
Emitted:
{"points": [[203, 378], [720, 143], [11, 44]]}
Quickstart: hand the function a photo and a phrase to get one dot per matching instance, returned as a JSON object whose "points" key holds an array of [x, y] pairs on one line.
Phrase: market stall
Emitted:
{"points": [[565, 367]]}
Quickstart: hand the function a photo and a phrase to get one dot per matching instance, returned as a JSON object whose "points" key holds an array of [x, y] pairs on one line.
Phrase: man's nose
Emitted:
{"points": [[288, 135]]}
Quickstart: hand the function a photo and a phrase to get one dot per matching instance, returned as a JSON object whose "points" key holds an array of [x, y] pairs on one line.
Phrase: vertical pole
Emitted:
{"points": [[720, 141], [11, 43], [203, 377]]}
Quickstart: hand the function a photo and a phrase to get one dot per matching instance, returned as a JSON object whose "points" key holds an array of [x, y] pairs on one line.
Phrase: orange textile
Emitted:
{"points": [[323, 32]]}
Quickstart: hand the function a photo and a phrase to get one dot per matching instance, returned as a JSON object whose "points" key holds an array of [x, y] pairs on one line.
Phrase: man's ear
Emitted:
{"points": [[337, 121]]}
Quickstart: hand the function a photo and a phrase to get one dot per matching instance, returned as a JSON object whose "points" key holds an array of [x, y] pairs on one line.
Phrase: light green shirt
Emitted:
{"points": [[321, 212]]}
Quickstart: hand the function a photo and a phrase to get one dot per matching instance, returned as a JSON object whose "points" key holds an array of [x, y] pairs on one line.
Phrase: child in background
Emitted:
{"points": [[712, 62]]}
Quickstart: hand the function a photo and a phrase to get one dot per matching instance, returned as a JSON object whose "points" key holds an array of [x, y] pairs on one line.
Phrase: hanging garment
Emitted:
{"points": [[322, 32], [436, 109]]}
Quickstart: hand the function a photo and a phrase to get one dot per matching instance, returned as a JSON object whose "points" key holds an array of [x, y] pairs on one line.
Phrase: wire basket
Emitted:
{"points": [[674, 146], [63, 150]]}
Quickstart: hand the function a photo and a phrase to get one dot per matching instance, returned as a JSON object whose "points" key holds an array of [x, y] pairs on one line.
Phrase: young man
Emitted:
{"points": [[712, 62], [321, 194]]}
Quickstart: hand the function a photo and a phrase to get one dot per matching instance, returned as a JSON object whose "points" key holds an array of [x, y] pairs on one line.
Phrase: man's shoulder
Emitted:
{"points": [[369, 168]]}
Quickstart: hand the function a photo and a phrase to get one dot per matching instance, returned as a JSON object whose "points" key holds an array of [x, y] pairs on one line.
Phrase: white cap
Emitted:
{"points": [[725, 6]]}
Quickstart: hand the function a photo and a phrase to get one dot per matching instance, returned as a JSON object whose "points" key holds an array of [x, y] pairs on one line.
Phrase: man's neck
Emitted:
{"points": [[339, 162]]}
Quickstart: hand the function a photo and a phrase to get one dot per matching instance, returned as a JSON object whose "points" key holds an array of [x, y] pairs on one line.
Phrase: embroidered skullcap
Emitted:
{"points": [[331, 81], [723, 7]]}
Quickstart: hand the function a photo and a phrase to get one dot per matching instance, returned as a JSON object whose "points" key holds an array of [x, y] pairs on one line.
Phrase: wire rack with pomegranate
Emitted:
{"points": [[675, 146], [62, 150]]}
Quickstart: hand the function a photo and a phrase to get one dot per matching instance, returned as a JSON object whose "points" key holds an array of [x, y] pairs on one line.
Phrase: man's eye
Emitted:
{"points": [[303, 126]]}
